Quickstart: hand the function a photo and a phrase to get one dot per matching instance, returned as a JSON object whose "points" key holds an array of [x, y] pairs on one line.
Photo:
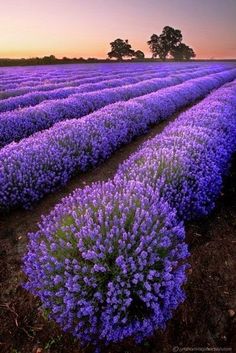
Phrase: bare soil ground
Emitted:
{"points": [[206, 319]]}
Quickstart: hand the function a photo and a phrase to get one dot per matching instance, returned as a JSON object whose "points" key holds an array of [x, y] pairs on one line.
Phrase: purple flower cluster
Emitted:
{"points": [[40, 83], [74, 79], [58, 76], [39, 164], [86, 85], [107, 263], [186, 163], [23, 123]]}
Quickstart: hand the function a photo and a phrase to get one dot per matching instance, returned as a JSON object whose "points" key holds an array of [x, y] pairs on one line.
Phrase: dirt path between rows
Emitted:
{"points": [[206, 319]]}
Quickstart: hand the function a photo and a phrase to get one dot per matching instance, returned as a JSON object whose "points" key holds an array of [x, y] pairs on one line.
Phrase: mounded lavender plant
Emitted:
{"points": [[107, 263], [186, 163]]}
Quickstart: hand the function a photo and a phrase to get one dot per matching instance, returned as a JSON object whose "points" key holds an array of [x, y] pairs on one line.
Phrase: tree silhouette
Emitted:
{"points": [[139, 55], [169, 42], [120, 48], [182, 52], [168, 39], [154, 45]]}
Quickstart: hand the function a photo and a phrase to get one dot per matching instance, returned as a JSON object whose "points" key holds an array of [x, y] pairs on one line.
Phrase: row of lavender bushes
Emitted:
{"points": [[39, 164], [51, 82], [23, 123], [54, 72], [109, 261], [8, 73], [95, 83], [76, 79], [57, 73], [27, 83], [28, 80]]}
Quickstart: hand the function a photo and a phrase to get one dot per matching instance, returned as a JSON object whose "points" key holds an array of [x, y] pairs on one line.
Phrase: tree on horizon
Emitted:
{"points": [[139, 54], [169, 42], [182, 52], [120, 48]]}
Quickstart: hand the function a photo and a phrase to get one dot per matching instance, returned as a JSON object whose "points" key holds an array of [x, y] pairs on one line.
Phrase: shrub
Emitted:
{"points": [[107, 263]]}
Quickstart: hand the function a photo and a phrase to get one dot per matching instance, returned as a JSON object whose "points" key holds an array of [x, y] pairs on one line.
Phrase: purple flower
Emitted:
{"points": [[114, 300], [39, 164], [24, 122]]}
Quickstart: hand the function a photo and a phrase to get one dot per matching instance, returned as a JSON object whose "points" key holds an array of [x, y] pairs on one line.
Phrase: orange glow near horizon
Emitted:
{"points": [[76, 28]]}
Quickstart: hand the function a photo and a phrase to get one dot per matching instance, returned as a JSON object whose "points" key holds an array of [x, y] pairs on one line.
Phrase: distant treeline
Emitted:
{"points": [[166, 46], [52, 60], [46, 60]]}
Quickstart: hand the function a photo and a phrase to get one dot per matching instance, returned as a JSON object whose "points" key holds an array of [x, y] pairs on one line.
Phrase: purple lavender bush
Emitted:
{"points": [[107, 263], [74, 80], [18, 124], [39, 164], [86, 85], [187, 161]]}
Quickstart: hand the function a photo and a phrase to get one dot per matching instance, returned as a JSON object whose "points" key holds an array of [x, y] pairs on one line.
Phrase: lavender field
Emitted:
{"points": [[108, 173]]}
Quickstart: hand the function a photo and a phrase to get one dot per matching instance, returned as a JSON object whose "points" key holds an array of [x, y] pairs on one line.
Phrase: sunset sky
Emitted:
{"points": [[86, 27]]}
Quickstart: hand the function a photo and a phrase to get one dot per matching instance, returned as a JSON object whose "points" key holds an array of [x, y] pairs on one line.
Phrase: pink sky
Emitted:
{"points": [[86, 27]]}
